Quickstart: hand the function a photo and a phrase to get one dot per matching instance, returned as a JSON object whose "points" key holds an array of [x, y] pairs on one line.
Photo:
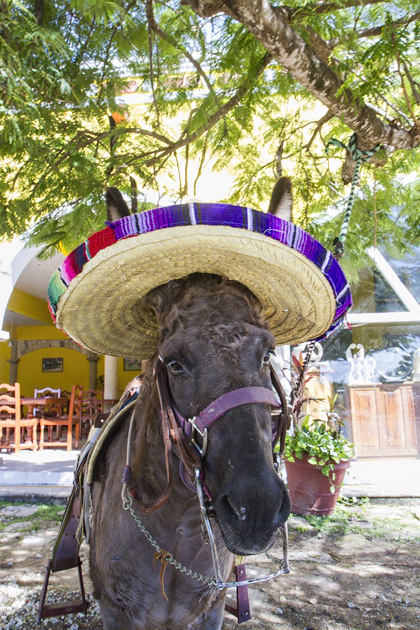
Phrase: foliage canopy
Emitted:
{"points": [[220, 85]]}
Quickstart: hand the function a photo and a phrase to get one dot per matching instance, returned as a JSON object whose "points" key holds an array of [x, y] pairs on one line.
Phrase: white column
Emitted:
{"points": [[281, 362], [416, 365], [111, 377]]}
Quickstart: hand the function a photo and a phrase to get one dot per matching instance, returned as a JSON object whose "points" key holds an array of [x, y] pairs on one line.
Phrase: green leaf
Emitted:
{"points": [[206, 102]]}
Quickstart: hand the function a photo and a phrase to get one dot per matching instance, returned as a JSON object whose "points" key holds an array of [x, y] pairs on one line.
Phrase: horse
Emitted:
{"points": [[213, 344]]}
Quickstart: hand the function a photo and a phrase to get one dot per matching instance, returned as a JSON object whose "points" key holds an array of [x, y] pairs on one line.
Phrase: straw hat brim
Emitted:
{"points": [[99, 304]]}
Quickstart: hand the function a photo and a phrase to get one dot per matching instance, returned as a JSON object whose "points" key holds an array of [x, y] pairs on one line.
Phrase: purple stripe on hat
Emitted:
{"points": [[221, 215]]}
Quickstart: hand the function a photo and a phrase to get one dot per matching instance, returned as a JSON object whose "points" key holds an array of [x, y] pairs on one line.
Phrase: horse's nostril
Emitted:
{"points": [[284, 511], [239, 510]]}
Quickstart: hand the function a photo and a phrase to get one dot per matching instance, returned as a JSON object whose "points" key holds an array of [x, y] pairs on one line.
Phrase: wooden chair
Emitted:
{"points": [[48, 411], [92, 404], [68, 420], [12, 422]]}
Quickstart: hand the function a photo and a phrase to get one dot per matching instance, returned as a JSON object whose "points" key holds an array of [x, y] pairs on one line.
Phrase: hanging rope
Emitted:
{"points": [[359, 157]]}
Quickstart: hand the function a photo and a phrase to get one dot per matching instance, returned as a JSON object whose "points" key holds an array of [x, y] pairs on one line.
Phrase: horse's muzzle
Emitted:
{"points": [[250, 516]]}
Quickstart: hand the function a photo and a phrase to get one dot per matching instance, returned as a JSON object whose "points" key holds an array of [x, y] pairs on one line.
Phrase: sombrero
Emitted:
{"points": [[96, 294]]}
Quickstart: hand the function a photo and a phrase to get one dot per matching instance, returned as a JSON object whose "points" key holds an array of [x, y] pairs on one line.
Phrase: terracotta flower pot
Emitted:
{"points": [[309, 489]]}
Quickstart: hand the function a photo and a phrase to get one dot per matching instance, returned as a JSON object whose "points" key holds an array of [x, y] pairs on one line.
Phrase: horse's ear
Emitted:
{"points": [[115, 205], [159, 297], [281, 199]]}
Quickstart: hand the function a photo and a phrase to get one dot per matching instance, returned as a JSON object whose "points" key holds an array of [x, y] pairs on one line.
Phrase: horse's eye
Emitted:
{"points": [[266, 359], [175, 366]]}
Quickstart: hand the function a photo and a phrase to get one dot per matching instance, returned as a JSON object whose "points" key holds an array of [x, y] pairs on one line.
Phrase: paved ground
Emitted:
{"points": [[51, 471]]}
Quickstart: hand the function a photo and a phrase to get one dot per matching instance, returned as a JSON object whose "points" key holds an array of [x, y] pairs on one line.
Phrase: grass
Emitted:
{"points": [[45, 513], [359, 516], [352, 515]]}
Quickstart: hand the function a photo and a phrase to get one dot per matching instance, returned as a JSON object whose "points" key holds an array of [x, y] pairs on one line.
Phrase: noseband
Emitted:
{"points": [[200, 425]]}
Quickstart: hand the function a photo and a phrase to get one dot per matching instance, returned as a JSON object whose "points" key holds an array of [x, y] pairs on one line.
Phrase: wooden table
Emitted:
{"points": [[30, 403]]}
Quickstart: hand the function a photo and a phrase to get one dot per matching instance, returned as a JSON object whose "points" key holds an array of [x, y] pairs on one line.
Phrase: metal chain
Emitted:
{"points": [[128, 505], [127, 502]]}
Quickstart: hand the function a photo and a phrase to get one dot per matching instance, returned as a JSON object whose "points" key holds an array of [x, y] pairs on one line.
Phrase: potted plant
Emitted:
{"points": [[316, 454], [316, 458]]}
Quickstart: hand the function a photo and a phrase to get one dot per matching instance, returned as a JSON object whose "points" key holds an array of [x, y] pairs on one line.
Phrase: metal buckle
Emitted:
{"points": [[204, 435]]}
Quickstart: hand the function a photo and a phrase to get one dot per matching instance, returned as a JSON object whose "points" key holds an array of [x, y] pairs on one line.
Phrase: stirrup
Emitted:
{"points": [[65, 608]]}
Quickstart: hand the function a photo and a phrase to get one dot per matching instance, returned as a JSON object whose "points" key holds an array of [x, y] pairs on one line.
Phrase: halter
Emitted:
{"points": [[184, 433]]}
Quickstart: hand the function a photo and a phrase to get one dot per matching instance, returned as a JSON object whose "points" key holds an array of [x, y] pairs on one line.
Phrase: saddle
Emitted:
{"points": [[75, 524]]}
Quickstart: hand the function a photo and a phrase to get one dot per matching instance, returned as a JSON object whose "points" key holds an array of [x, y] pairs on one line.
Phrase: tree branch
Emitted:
{"points": [[150, 20], [404, 89], [413, 83], [186, 138], [377, 30], [218, 115], [325, 118], [165, 36], [272, 29], [329, 7], [322, 48]]}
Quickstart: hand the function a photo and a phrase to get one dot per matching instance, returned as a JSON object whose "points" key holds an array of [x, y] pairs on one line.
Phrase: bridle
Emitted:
{"points": [[191, 438]]}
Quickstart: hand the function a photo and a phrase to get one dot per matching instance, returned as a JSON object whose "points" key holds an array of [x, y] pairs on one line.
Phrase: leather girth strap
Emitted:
{"points": [[65, 556], [241, 608]]}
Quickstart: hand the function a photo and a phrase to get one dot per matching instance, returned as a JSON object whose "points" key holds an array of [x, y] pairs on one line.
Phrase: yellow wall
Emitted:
{"points": [[29, 368], [25, 304], [75, 371], [4, 365], [30, 374], [23, 333], [75, 364]]}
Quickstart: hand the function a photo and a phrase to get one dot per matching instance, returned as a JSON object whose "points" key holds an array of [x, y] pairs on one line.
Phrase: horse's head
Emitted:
{"points": [[213, 342]]}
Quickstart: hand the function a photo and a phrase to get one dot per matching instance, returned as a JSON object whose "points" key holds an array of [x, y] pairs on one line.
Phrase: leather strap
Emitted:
{"points": [[166, 434], [66, 549], [283, 423], [171, 432], [232, 399], [241, 608], [65, 556]]}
